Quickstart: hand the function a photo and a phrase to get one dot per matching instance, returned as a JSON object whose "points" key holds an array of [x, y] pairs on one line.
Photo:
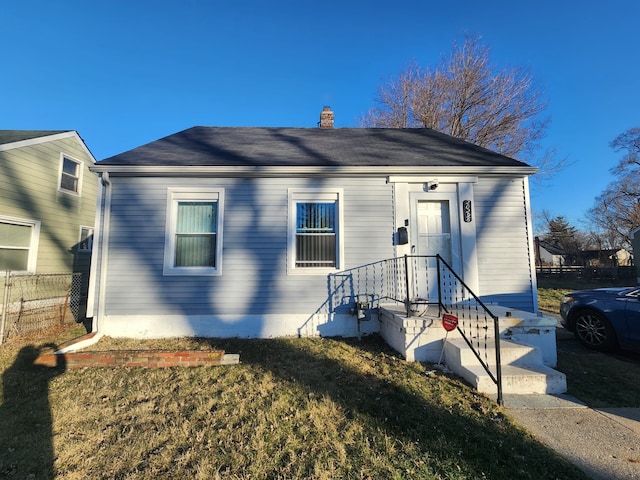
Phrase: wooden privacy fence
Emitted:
{"points": [[626, 274], [36, 302]]}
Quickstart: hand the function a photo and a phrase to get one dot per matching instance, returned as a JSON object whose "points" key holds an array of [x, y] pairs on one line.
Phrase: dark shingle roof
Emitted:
{"points": [[11, 136], [552, 248], [248, 146]]}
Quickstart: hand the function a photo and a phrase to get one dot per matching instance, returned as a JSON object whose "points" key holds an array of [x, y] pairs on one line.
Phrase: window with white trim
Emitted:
{"points": [[18, 244], [193, 242], [70, 175], [85, 244], [315, 221]]}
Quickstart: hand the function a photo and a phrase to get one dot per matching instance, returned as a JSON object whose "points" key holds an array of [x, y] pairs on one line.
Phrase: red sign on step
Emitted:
{"points": [[449, 322]]}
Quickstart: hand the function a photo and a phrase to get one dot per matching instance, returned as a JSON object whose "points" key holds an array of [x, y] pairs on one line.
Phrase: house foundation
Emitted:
{"points": [[421, 338]]}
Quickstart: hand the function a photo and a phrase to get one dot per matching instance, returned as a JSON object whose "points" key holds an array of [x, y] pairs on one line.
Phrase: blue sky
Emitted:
{"points": [[126, 72]]}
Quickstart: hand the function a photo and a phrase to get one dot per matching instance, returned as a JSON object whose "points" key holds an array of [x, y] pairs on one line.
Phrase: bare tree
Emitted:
{"points": [[617, 210], [398, 92], [466, 97]]}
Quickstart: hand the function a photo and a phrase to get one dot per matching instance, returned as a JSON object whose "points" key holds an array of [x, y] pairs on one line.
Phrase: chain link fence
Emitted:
{"points": [[30, 303]]}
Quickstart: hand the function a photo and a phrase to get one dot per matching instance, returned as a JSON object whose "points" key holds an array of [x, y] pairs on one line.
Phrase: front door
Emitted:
{"points": [[435, 232]]}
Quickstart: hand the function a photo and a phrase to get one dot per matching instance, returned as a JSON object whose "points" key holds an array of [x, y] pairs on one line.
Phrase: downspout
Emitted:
{"points": [[532, 246], [101, 240]]}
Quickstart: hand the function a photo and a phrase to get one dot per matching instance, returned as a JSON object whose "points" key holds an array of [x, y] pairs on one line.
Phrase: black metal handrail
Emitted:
{"points": [[463, 310], [421, 282]]}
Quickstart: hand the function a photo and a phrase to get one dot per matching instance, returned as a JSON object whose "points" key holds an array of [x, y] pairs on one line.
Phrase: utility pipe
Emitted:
{"points": [[100, 239]]}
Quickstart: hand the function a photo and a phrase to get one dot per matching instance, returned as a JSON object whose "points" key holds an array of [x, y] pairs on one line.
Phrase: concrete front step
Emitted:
{"points": [[510, 352], [523, 371], [516, 379]]}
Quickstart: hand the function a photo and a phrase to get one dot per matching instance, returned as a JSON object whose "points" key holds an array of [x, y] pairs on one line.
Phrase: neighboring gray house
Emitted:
{"points": [[242, 231], [47, 201], [548, 254]]}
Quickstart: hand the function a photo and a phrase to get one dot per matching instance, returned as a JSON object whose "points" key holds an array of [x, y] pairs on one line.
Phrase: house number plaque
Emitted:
{"points": [[466, 210]]}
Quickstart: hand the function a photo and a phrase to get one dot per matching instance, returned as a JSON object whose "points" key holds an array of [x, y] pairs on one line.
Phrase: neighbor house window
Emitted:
{"points": [[314, 230], [193, 243], [86, 239], [70, 175], [18, 244]]}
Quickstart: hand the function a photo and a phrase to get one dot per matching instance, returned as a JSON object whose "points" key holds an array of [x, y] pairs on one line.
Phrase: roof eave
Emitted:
{"points": [[49, 138], [277, 171]]}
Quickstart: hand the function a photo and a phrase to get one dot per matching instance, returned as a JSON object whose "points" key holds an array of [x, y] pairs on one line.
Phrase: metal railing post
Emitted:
{"points": [[439, 285], [496, 326], [5, 305], [497, 379], [407, 302], [449, 284]]}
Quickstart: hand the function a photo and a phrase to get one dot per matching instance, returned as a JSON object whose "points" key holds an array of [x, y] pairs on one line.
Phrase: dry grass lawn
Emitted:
{"points": [[292, 409]]}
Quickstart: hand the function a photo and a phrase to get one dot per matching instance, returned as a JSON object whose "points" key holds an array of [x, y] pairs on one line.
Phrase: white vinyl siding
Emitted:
{"points": [[504, 269], [254, 252], [193, 244]]}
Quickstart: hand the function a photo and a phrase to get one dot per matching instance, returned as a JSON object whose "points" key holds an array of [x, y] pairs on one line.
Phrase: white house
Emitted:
{"points": [[266, 232], [233, 231]]}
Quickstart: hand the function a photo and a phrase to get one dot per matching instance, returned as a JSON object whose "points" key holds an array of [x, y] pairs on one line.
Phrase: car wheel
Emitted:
{"points": [[594, 331]]}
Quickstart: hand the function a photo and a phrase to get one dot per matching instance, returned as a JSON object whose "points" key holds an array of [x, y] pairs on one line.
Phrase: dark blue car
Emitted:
{"points": [[604, 318]]}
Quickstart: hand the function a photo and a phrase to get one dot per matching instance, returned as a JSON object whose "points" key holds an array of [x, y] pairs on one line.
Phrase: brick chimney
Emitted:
{"points": [[326, 118]]}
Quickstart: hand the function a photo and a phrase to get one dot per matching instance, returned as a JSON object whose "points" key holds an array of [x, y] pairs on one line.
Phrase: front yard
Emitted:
{"points": [[293, 408]]}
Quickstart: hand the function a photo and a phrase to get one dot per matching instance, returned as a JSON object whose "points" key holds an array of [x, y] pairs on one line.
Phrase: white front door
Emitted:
{"points": [[435, 232]]}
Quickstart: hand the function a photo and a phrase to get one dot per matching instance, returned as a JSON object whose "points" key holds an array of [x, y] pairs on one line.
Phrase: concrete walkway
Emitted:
{"points": [[603, 443]]}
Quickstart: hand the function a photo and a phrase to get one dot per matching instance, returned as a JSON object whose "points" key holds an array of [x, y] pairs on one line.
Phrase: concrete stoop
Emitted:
{"points": [[523, 371]]}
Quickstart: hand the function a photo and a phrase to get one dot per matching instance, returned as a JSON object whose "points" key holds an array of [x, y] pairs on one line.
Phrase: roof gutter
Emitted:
{"points": [[312, 171]]}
